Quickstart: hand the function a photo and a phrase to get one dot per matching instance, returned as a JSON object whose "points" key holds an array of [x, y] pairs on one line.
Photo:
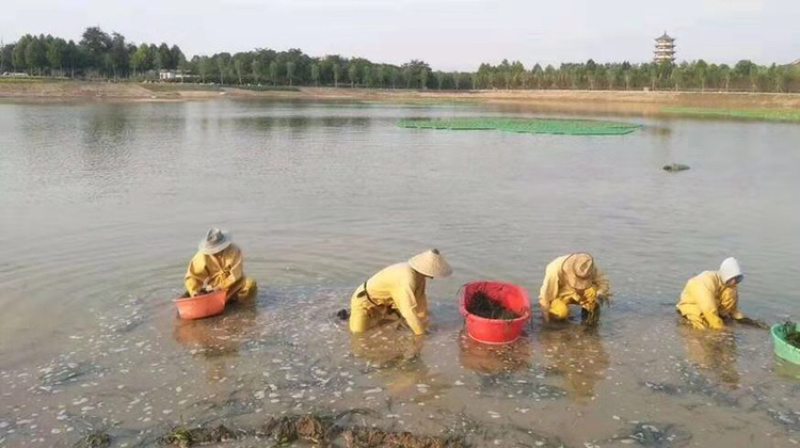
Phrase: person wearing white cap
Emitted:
{"points": [[573, 280], [712, 296], [217, 265], [397, 289]]}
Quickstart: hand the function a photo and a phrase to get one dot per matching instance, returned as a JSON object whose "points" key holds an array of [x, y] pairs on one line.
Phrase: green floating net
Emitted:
{"points": [[525, 125]]}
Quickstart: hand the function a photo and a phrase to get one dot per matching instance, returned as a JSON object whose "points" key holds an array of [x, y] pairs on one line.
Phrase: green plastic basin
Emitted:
{"points": [[782, 348]]}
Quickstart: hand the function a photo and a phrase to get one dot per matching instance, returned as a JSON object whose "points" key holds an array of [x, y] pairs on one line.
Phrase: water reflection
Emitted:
{"points": [[394, 357], [713, 352], [494, 359], [217, 339], [576, 354]]}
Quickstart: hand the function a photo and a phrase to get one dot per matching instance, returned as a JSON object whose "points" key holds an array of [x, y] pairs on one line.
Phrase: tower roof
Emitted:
{"points": [[665, 37]]}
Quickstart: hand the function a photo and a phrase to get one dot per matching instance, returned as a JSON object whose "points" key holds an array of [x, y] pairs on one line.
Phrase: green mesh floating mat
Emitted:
{"points": [[525, 125]]}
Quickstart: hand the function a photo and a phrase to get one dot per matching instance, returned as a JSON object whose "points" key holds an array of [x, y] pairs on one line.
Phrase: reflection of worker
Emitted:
{"points": [[578, 356], [397, 357], [218, 264], [712, 296], [397, 290], [494, 359], [573, 280], [716, 352]]}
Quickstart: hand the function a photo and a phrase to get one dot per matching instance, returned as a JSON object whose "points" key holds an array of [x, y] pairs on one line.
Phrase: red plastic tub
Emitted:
{"points": [[491, 331], [199, 307]]}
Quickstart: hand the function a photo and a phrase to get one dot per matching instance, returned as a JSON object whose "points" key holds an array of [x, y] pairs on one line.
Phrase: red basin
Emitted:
{"points": [[492, 331]]}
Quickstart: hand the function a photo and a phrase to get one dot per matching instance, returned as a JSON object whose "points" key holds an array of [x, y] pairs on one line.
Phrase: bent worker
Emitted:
{"points": [[397, 291], [713, 296], [573, 280], [217, 265]]}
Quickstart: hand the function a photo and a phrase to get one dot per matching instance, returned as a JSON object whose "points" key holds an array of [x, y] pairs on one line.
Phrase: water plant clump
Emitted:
{"points": [[183, 437], [97, 439], [484, 306], [792, 334], [525, 125]]}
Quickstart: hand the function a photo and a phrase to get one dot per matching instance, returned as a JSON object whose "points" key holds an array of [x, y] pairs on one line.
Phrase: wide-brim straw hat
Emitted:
{"points": [[431, 263], [579, 270], [216, 241]]}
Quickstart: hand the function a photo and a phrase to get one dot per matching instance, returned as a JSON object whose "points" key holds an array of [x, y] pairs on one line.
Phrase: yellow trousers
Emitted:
{"points": [[364, 316], [243, 289], [694, 316]]}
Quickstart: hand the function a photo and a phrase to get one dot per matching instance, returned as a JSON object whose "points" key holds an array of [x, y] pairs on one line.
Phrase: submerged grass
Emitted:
{"points": [[484, 306], [526, 125], [790, 115]]}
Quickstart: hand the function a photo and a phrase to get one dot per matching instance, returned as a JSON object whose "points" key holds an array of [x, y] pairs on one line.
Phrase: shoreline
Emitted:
{"points": [[768, 106]]}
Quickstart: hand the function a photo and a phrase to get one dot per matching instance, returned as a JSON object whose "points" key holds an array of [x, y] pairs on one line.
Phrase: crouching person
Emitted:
{"points": [[217, 265], [397, 292]]}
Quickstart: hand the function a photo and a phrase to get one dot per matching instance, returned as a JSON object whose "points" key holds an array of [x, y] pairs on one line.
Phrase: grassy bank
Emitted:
{"points": [[756, 106]]}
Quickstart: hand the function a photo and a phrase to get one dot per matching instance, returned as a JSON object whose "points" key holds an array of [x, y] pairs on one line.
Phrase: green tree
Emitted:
{"points": [[141, 60], [256, 66], [205, 65], [18, 57], [238, 66], [222, 66], [56, 54], [290, 66], [337, 73], [36, 54], [315, 74], [97, 44], [273, 72], [352, 74]]}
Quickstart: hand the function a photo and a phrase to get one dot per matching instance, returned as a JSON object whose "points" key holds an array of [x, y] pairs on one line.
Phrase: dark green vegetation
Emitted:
{"points": [[754, 114], [675, 167], [96, 439], [792, 335], [484, 306], [316, 430], [101, 55], [531, 126]]}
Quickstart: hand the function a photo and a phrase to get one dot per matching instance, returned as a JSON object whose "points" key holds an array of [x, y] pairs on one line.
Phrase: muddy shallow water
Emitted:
{"points": [[103, 205]]}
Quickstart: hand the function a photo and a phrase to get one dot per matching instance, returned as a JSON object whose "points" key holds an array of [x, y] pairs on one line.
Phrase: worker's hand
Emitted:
{"points": [[590, 294], [753, 323]]}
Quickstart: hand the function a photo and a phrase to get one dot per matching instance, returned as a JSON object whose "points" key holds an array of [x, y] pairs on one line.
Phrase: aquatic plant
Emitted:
{"points": [[792, 115], [484, 306], [525, 125], [792, 335], [97, 439]]}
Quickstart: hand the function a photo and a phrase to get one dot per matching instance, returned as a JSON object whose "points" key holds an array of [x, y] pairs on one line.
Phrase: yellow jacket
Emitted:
{"points": [[219, 271], [400, 287], [707, 296], [555, 288]]}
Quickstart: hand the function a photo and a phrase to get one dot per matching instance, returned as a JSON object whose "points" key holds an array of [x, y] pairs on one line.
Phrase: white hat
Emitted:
{"points": [[730, 269], [216, 241], [431, 263]]}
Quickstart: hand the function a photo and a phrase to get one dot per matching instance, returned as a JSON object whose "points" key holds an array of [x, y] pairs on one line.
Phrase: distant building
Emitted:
{"points": [[665, 49], [172, 75]]}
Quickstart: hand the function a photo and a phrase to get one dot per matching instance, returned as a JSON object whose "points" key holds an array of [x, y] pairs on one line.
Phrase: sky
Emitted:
{"points": [[448, 34]]}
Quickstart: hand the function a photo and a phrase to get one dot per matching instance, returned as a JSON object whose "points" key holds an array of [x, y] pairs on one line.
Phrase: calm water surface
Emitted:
{"points": [[102, 205]]}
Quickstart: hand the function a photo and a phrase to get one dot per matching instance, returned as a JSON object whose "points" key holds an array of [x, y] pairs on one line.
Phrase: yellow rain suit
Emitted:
{"points": [[222, 270], [556, 295], [706, 300], [396, 288]]}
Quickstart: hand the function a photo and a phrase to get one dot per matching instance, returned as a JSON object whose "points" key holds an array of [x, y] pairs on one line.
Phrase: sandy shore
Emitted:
{"points": [[600, 101]]}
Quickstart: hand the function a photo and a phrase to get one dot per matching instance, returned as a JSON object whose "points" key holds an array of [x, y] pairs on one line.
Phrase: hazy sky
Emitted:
{"points": [[448, 34]]}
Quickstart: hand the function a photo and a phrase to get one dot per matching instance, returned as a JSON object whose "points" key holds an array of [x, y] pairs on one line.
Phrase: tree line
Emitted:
{"points": [[110, 56]]}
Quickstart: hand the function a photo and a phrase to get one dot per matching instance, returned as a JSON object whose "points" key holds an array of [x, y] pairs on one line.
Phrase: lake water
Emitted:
{"points": [[102, 206]]}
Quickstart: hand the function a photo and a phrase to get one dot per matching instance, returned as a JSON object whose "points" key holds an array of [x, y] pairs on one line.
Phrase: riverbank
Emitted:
{"points": [[781, 107]]}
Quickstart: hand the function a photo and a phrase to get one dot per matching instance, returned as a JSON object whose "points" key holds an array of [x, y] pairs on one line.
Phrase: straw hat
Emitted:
{"points": [[216, 241], [579, 270], [431, 264]]}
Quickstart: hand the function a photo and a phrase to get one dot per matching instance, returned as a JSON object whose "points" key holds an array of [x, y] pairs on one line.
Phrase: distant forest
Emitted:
{"points": [[99, 55]]}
